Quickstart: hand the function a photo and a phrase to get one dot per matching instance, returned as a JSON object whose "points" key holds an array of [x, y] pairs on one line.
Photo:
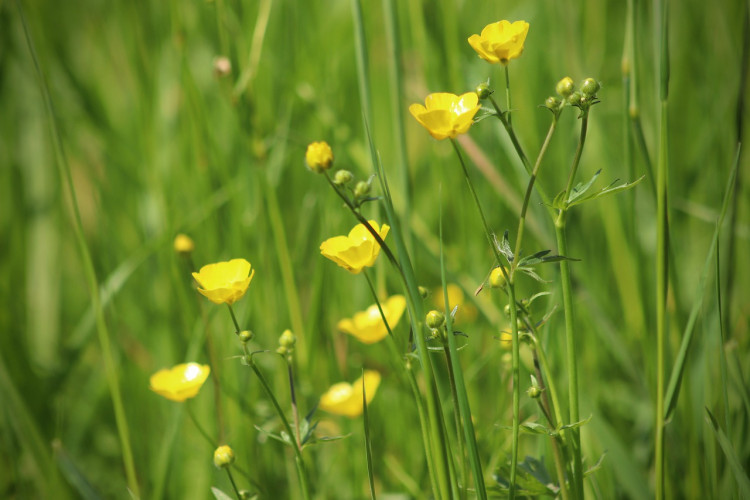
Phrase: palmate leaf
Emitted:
{"points": [[581, 188]]}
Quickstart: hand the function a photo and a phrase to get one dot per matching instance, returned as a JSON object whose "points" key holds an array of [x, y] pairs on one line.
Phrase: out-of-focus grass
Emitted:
{"points": [[159, 145]]}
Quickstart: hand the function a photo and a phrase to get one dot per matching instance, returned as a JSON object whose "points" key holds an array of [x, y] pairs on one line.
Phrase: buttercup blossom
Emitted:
{"points": [[225, 282], [319, 156], [446, 115], [223, 456], [183, 244], [501, 41], [357, 250], [346, 399], [368, 327], [180, 382]]}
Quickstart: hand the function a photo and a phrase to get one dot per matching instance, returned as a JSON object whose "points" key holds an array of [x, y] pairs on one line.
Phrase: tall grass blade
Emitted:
{"points": [[731, 455], [368, 441]]}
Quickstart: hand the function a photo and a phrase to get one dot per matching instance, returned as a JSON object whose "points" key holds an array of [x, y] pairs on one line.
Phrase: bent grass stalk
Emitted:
{"points": [[89, 271]]}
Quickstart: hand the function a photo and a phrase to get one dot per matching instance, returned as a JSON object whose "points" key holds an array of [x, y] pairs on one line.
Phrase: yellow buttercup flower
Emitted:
{"points": [[357, 250], [223, 456], [346, 399], [319, 156], [225, 282], [180, 382], [500, 41], [446, 115], [368, 327]]}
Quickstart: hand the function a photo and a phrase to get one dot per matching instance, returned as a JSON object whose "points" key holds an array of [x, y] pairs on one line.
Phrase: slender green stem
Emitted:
{"points": [[110, 369], [198, 426], [424, 427], [293, 397], [234, 319], [299, 461], [530, 188], [516, 388], [512, 134], [457, 420], [234, 485], [368, 443], [507, 95]]}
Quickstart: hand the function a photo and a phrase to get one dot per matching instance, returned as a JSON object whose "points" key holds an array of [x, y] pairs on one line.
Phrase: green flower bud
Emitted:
{"points": [[245, 336], [223, 456], [565, 87], [435, 320], [361, 189], [590, 87], [483, 90], [423, 292], [534, 392], [552, 103], [287, 339], [506, 310], [574, 99], [497, 278], [342, 177]]}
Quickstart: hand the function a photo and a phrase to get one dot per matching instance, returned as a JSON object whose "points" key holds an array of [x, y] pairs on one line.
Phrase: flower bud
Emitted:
{"points": [[552, 103], [342, 177], [574, 99], [245, 336], [534, 392], [590, 87], [483, 90], [223, 456], [222, 66], [287, 339], [565, 87], [435, 320], [183, 244], [361, 189], [497, 278], [423, 292], [319, 156], [506, 310]]}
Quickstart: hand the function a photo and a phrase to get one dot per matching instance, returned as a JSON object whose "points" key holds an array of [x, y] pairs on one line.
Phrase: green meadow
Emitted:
{"points": [[125, 124]]}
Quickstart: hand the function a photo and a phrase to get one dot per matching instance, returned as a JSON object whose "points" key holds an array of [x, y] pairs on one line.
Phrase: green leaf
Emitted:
{"points": [[537, 428], [734, 461], [611, 189], [575, 425], [504, 247], [559, 201], [531, 273], [532, 479], [580, 189], [596, 466], [283, 438], [543, 258]]}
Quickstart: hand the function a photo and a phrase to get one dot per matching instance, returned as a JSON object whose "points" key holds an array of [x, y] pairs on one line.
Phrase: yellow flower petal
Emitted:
{"points": [[446, 115], [500, 41], [368, 327], [225, 282], [357, 250], [179, 382], [346, 399]]}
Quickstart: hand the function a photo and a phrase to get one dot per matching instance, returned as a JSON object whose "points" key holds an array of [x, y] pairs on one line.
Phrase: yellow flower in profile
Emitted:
{"points": [[501, 41], [466, 312], [368, 327], [225, 282], [446, 115], [346, 399], [183, 244], [357, 250], [180, 382], [319, 156]]}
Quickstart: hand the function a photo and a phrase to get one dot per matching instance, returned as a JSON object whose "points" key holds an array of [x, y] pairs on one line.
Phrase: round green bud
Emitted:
{"points": [[223, 456], [552, 103], [435, 320], [534, 392], [423, 292], [342, 177], [565, 87], [245, 336], [287, 339], [506, 310], [497, 278], [361, 189], [574, 99], [590, 87], [483, 90]]}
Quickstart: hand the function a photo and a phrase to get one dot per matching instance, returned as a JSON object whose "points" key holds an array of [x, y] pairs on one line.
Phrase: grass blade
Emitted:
{"points": [[734, 461], [368, 442]]}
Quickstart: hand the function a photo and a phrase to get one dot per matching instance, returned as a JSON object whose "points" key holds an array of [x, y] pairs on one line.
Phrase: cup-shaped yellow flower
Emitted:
{"points": [[446, 115], [368, 327], [357, 250], [183, 244], [225, 282], [180, 382], [346, 399], [501, 41], [319, 156]]}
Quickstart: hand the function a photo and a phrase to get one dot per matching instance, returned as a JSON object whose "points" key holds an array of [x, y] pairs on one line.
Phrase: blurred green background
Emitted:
{"points": [[159, 144]]}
